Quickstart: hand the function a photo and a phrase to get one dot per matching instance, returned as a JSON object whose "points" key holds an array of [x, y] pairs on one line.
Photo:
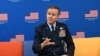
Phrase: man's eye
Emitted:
{"points": [[53, 14]]}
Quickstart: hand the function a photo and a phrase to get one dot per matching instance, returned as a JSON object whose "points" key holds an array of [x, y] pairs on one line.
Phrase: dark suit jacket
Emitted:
{"points": [[43, 31]]}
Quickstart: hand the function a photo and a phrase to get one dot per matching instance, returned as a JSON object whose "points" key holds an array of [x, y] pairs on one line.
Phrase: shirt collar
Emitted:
{"points": [[53, 25]]}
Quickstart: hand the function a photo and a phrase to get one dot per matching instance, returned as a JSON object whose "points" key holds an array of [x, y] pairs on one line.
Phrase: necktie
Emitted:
{"points": [[52, 28]]}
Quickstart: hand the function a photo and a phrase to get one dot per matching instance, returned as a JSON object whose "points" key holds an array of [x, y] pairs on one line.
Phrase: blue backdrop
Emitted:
{"points": [[13, 13]]}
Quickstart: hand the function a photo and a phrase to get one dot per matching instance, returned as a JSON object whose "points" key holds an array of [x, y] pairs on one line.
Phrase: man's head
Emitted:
{"points": [[53, 13]]}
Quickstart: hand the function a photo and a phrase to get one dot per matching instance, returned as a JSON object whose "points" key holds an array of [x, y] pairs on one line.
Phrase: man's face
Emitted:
{"points": [[52, 15]]}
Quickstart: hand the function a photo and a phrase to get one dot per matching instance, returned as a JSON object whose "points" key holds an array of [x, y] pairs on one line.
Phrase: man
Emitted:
{"points": [[50, 37]]}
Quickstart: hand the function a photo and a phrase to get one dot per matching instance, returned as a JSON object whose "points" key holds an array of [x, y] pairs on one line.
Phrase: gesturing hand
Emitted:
{"points": [[46, 42]]}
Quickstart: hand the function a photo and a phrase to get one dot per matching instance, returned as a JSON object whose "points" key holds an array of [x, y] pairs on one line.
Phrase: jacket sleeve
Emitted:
{"points": [[36, 47], [70, 43]]}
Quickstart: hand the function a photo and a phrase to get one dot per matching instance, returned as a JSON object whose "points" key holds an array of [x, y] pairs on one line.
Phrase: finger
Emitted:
{"points": [[51, 43], [48, 40]]}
